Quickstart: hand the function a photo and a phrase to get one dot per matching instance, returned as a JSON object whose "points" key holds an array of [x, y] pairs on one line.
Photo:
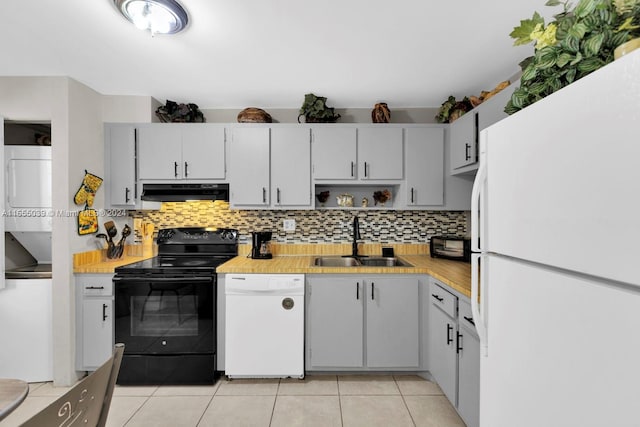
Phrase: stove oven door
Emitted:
{"points": [[164, 315]]}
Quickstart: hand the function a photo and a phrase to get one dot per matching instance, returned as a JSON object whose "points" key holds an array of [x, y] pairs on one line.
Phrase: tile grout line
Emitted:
{"points": [[339, 401], [137, 410], [275, 399], [404, 401]]}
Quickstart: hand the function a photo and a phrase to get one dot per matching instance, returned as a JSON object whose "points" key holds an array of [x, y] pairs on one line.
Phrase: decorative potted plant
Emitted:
{"points": [[315, 110], [579, 41]]}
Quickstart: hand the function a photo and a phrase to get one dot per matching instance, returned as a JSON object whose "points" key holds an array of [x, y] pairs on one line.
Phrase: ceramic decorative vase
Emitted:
{"points": [[345, 200]]}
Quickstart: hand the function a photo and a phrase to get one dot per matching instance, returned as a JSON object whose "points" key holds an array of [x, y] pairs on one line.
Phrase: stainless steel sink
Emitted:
{"points": [[384, 262], [338, 261]]}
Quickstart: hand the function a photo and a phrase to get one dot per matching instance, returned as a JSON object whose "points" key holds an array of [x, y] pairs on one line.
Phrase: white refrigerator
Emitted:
{"points": [[556, 274]]}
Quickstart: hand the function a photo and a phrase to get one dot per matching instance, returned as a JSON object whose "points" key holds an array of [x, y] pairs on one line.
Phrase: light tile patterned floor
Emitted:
{"points": [[319, 400]]}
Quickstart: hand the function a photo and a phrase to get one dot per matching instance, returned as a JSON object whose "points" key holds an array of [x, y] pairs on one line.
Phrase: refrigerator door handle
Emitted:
{"points": [[477, 198], [476, 194], [477, 303]]}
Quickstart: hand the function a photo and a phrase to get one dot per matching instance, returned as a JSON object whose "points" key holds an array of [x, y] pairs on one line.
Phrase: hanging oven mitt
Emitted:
{"points": [[87, 190], [87, 221]]}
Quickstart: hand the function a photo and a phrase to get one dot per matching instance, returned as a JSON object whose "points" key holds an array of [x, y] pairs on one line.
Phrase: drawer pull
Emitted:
{"points": [[438, 297], [94, 287]]}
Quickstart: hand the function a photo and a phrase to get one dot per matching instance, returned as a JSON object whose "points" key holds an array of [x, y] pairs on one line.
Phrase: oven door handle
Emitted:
{"points": [[162, 279]]}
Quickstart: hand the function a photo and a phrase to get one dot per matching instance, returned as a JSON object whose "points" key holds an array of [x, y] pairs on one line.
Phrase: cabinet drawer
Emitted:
{"points": [[465, 316], [443, 299], [96, 285]]}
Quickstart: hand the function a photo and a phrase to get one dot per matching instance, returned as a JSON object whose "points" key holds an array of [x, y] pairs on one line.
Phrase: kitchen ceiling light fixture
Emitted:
{"points": [[157, 16]]}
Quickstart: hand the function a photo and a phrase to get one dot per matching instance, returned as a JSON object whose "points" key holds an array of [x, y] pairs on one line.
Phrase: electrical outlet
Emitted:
{"points": [[289, 225]]}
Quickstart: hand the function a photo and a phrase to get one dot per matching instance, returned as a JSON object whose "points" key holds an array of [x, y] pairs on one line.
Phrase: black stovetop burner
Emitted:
{"points": [[192, 250]]}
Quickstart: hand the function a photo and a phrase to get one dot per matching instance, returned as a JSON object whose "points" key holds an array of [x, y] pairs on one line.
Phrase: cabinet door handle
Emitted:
{"points": [[439, 298], [467, 153], [470, 320], [278, 195], [104, 312], [126, 194], [373, 285], [449, 330], [264, 195], [352, 170], [357, 290], [186, 170], [412, 201], [458, 342], [175, 169], [365, 169]]}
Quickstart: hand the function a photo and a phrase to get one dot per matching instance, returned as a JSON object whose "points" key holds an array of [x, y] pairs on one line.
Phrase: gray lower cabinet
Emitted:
{"points": [[94, 320], [367, 322], [454, 351], [468, 366], [443, 363]]}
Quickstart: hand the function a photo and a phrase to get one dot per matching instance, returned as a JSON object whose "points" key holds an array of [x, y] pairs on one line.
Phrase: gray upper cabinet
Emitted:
{"points": [[120, 165], [334, 153], [464, 140], [465, 131], [249, 153], [380, 153], [424, 166], [203, 151], [291, 166], [357, 153], [193, 151]]}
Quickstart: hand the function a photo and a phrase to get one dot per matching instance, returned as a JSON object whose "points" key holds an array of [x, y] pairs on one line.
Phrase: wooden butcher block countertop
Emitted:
{"points": [[455, 274], [96, 262], [298, 258]]}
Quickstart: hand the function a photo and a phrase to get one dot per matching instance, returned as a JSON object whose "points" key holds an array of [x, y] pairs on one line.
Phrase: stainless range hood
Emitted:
{"points": [[184, 192]]}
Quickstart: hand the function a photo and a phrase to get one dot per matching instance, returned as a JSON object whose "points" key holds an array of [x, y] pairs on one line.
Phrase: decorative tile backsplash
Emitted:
{"points": [[312, 226]]}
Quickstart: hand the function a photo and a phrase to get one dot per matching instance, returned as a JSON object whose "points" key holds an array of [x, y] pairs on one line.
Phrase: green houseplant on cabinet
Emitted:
{"points": [[579, 41], [315, 110]]}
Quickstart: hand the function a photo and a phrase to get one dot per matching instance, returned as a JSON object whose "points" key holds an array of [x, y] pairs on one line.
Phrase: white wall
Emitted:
{"points": [[76, 113], [124, 109]]}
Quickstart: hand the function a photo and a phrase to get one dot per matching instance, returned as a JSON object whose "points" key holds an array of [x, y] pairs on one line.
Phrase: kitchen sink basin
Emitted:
{"points": [[337, 261], [383, 262]]}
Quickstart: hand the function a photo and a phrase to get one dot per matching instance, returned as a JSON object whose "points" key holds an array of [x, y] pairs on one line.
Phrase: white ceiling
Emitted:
{"points": [[269, 53]]}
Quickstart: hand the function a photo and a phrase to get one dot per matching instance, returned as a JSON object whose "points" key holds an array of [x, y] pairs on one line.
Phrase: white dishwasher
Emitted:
{"points": [[264, 325]]}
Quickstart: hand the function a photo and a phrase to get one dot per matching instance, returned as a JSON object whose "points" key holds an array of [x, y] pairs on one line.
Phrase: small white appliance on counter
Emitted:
{"points": [[264, 326], [558, 196]]}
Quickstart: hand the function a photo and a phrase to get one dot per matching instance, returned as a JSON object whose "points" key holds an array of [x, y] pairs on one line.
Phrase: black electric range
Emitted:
{"points": [[165, 308]]}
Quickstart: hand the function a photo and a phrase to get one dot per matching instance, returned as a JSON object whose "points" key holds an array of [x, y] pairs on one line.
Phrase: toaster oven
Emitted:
{"points": [[450, 247]]}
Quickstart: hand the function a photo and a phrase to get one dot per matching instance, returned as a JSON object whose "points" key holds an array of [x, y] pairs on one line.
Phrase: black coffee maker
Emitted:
{"points": [[260, 245]]}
